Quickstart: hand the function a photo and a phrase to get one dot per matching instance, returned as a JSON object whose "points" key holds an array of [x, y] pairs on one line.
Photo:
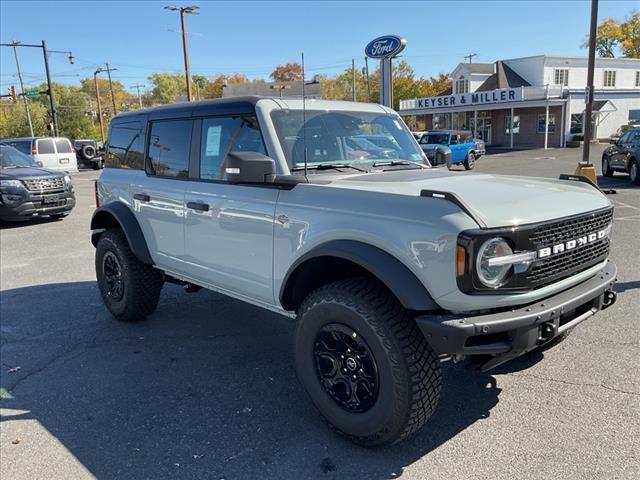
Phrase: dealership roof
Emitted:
{"points": [[479, 67], [504, 77]]}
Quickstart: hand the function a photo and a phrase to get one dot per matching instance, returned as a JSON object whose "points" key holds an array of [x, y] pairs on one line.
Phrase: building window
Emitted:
{"points": [[561, 77], [609, 78], [634, 116], [462, 85], [576, 123], [638, 79], [552, 123], [516, 124]]}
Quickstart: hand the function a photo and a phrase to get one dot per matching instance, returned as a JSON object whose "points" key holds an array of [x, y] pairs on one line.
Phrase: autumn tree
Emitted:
{"points": [[287, 73], [613, 36], [216, 84]]}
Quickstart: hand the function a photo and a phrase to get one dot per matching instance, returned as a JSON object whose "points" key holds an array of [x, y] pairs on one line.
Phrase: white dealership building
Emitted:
{"points": [[510, 102]]}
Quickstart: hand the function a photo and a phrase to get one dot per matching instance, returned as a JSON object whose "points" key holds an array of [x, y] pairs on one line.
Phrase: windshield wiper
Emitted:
{"points": [[328, 166], [393, 163]]}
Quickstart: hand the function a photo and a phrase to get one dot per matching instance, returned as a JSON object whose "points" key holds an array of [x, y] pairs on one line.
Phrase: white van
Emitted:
{"points": [[55, 153]]}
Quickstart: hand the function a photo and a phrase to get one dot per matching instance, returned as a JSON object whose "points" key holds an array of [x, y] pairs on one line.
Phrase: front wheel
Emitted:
{"points": [[607, 171], [365, 364], [129, 288], [470, 161], [634, 172]]}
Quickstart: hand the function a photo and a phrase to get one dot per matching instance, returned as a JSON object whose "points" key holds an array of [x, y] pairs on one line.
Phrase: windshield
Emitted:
{"points": [[343, 137], [12, 158], [436, 138]]}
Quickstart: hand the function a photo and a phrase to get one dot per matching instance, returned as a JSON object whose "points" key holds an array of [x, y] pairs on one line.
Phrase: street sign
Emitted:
{"points": [[32, 93]]}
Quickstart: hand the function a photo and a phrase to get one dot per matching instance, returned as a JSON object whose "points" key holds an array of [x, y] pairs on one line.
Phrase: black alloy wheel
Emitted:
{"points": [[346, 367], [112, 272]]}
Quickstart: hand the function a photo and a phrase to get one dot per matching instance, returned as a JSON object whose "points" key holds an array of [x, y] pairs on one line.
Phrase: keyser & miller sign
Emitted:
{"points": [[463, 99]]}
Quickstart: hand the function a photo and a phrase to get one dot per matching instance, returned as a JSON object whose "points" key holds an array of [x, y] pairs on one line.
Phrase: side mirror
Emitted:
{"points": [[39, 163], [250, 167]]}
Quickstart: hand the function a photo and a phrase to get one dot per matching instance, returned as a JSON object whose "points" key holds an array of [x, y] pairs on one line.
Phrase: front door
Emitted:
{"points": [[229, 228], [618, 157]]}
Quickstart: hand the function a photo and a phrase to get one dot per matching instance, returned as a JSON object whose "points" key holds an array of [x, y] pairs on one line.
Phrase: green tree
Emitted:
{"points": [[167, 87]]}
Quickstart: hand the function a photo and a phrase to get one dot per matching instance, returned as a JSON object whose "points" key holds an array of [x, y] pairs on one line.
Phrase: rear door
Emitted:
{"points": [[66, 156], [229, 228], [46, 153], [159, 199], [618, 157]]}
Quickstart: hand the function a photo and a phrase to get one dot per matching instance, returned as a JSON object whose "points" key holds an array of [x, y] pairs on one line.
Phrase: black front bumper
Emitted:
{"points": [[36, 205], [507, 334]]}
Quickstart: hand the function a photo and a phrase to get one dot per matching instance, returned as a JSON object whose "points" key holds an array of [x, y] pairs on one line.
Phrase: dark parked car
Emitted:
{"points": [[28, 190], [623, 156], [89, 153]]}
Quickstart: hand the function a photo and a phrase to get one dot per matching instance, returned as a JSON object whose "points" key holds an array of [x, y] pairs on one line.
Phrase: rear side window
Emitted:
{"points": [[45, 146], [23, 146], [63, 145], [124, 146], [169, 146]]}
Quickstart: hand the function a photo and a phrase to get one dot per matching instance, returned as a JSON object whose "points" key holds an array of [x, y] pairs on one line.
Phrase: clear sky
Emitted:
{"points": [[140, 37]]}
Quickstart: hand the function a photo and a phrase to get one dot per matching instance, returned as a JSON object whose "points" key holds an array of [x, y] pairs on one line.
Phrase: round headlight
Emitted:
{"points": [[495, 276]]}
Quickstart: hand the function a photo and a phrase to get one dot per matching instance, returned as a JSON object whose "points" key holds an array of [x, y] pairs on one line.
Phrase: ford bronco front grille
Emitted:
{"points": [[569, 262], [45, 184]]}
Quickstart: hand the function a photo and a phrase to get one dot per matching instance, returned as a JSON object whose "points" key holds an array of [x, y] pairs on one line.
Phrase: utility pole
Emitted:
{"points": [[589, 91], [470, 56], [95, 81], [366, 68], [353, 78], [137, 86], [113, 98], [24, 97], [185, 50]]}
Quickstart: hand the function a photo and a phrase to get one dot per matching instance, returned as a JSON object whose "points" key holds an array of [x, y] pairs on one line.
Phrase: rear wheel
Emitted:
{"points": [[365, 364], [470, 161], [129, 288], [607, 171], [634, 172]]}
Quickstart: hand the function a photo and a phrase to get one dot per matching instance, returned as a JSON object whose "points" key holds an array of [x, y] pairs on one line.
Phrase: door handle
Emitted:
{"points": [[143, 197], [202, 207]]}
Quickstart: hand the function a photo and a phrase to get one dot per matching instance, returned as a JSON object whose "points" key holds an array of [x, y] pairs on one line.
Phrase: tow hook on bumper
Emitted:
{"points": [[505, 335]]}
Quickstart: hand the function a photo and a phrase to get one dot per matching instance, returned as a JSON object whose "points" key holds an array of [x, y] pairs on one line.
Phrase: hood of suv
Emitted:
{"points": [[27, 172], [499, 200]]}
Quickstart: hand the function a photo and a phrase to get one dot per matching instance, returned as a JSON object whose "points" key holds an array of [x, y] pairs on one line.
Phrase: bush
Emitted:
{"points": [[578, 137]]}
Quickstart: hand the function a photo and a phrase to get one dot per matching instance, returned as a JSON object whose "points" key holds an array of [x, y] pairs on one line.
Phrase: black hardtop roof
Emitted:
{"points": [[239, 105]]}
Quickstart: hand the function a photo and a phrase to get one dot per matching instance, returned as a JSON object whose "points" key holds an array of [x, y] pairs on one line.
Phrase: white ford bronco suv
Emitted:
{"points": [[389, 266]]}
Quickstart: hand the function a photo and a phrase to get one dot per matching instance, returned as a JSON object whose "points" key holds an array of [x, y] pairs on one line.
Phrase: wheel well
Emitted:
{"points": [[103, 220], [316, 272]]}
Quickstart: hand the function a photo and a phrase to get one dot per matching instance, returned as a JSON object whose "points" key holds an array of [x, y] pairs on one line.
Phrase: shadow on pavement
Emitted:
{"points": [[205, 388]]}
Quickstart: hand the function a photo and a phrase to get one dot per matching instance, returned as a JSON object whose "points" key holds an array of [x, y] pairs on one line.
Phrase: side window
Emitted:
{"points": [[169, 146], [124, 146], [223, 135], [45, 146], [63, 145], [454, 140]]}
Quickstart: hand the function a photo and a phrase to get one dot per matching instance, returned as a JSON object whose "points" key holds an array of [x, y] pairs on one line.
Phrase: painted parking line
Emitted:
{"points": [[625, 205]]}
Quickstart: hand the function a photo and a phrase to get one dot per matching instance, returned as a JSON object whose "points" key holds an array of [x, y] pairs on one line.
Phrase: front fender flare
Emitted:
{"points": [[117, 214], [401, 281]]}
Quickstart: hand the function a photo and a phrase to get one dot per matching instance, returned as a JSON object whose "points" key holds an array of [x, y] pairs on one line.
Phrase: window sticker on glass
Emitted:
{"points": [[213, 141]]}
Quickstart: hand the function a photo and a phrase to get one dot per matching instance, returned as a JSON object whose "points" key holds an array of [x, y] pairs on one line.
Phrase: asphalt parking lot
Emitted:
{"points": [[206, 387]]}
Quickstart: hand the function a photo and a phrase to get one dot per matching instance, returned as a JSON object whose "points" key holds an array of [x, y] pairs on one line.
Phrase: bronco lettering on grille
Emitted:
{"points": [[576, 242]]}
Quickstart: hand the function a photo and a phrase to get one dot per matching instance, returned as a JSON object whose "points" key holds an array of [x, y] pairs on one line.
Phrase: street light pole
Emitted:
{"points": [[185, 50], [95, 81], [24, 97], [52, 102], [137, 87]]}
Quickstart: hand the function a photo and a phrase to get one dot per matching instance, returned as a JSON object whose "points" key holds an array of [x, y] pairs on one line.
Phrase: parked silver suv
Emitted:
{"points": [[390, 266]]}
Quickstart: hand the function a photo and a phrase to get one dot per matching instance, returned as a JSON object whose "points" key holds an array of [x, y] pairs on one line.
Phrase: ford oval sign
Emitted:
{"points": [[387, 46]]}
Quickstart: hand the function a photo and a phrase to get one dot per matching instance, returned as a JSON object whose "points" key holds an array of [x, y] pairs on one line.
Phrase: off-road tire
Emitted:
{"points": [[607, 171], [88, 151], [470, 161], [141, 282], [634, 171], [408, 369]]}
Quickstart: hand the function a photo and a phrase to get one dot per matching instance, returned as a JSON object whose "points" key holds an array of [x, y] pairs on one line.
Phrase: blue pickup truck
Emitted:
{"points": [[465, 150]]}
